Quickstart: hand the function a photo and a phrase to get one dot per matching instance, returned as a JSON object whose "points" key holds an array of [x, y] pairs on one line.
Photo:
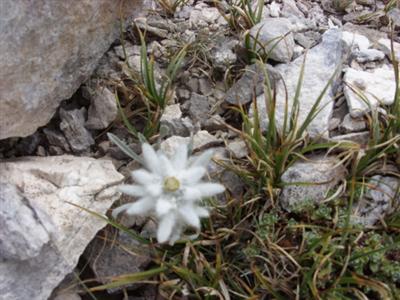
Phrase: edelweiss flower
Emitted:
{"points": [[171, 190]]}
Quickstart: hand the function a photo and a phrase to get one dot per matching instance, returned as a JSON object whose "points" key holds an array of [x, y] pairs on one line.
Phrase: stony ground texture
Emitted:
{"points": [[321, 222]]}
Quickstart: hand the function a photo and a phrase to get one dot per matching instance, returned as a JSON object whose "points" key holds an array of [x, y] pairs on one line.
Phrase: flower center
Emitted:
{"points": [[171, 184]]}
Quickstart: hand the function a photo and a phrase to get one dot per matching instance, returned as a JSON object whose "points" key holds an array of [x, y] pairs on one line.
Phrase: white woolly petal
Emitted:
{"points": [[202, 212], [140, 207], [176, 235], [209, 189], [120, 209], [143, 177], [191, 175], [203, 159], [154, 190], [180, 158], [165, 228], [132, 190], [166, 168], [163, 206], [150, 157], [190, 216], [191, 194]]}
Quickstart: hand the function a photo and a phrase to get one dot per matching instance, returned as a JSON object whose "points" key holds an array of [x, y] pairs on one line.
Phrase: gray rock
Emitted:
{"points": [[130, 50], [199, 108], [215, 122], [144, 25], [310, 180], [270, 33], [56, 138], [385, 46], [193, 85], [205, 87], [117, 255], [51, 184], [73, 126], [350, 124], [367, 55], [367, 90], [48, 49], [223, 54], [238, 148], [250, 85], [173, 121], [307, 39], [296, 16], [54, 150], [354, 41], [321, 62], [381, 197], [22, 234], [103, 107], [183, 93], [334, 123], [394, 15], [202, 16]]}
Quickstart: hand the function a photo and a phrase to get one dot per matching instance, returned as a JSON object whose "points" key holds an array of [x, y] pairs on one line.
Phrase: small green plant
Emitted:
{"points": [[170, 6], [158, 95], [154, 92], [274, 149], [242, 14]]}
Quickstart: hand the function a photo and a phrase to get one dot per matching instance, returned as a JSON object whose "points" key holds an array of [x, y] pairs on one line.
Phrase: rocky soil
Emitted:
{"points": [[57, 168]]}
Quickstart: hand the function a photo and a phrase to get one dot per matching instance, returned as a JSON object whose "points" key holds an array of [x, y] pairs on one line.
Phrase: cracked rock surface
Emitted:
{"points": [[51, 186]]}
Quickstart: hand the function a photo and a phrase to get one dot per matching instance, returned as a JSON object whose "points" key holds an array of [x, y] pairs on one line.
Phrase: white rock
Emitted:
{"points": [[23, 233], [297, 51], [171, 113], [269, 33], [173, 121], [49, 183], [375, 88], [367, 55], [202, 139], [320, 65], [385, 46], [310, 180], [274, 9], [351, 124], [355, 40]]}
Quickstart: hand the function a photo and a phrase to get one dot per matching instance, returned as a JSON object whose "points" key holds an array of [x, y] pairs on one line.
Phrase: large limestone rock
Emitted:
{"points": [[320, 64], [48, 48], [42, 234]]}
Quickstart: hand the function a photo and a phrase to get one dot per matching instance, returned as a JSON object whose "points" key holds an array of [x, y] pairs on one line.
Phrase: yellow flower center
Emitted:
{"points": [[171, 184]]}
